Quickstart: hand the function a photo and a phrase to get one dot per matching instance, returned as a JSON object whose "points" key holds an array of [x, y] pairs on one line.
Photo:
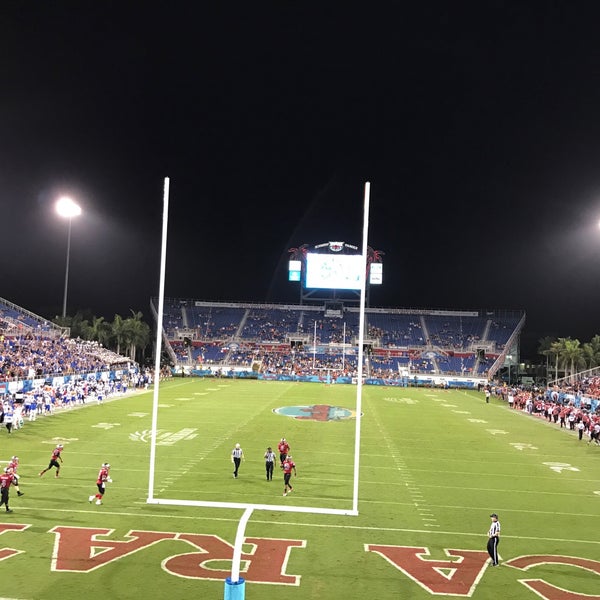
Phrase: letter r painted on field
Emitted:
{"points": [[266, 562], [458, 577], [81, 549], [546, 590]]}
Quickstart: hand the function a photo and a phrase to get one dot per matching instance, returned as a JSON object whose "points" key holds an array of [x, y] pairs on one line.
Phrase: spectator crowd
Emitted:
{"points": [[28, 357], [568, 406]]}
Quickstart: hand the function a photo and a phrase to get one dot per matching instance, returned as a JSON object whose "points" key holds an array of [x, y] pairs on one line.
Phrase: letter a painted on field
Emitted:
{"points": [[457, 577], [79, 549]]}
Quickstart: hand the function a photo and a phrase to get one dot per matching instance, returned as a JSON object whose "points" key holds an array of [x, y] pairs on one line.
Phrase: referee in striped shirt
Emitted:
{"points": [[237, 455], [494, 539]]}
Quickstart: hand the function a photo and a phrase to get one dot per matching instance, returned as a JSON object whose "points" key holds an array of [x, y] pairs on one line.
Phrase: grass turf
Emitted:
{"points": [[434, 465]]}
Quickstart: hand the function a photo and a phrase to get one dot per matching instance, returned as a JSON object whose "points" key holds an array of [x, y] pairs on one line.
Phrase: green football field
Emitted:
{"points": [[433, 465]]}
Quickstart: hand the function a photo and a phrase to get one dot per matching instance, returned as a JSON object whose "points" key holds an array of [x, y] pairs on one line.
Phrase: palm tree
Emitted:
{"points": [[570, 354], [98, 330], [545, 349], [591, 352], [77, 324], [118, 332], [556, 351], [137, 333]]}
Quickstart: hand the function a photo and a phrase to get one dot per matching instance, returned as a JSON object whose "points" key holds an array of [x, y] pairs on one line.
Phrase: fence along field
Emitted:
{"points": [[434, 465]]}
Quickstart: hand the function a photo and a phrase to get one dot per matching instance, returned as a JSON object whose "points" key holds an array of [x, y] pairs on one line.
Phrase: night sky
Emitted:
{"points": [[477, 124]]}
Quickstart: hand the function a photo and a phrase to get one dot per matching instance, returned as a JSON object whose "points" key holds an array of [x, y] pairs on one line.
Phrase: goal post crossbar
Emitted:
{"points": [[244, 506]]}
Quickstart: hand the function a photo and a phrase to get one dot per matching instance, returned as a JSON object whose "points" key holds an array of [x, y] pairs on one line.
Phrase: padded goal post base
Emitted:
{"points": [[235, 590]]}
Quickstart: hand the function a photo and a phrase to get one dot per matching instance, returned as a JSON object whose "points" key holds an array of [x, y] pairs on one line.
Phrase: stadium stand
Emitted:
{"points": [[313, 338], [33, 348]]}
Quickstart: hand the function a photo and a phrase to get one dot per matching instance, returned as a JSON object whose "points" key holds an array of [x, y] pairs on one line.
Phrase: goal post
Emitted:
{"points": [[233, 589]]}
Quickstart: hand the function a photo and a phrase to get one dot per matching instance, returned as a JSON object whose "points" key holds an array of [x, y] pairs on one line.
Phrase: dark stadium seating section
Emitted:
{"points": [[238, 333]]}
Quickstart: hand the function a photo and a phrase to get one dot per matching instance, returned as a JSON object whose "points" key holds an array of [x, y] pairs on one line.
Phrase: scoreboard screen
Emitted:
{"points": [[334, 271]]}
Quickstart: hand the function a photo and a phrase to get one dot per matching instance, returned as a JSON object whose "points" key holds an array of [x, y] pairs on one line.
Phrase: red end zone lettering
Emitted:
{"points": [[265, 563], [79, 549], [8, 552], [546, 590], [457, 577]]}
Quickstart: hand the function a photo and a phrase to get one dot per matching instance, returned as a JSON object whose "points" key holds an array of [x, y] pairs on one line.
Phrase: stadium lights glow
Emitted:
{"points": [[67, 209]]}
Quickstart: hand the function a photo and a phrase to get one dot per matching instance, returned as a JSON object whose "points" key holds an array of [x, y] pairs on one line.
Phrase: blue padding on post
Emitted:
{"points": [[235, 590]]}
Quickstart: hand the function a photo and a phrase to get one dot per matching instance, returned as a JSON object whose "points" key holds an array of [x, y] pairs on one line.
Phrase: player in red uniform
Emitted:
{"points": [[288, 466], [5, 481], [54, 460], [101, 481], [14, 465], [284, 449]]}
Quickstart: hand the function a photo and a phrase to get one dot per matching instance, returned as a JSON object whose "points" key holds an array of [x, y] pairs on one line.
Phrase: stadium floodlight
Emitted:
{"points": [[234, 586], [67, 208]]}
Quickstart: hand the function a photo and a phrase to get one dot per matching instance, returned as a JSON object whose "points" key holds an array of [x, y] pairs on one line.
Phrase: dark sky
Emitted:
{"points": [[478, 125]]}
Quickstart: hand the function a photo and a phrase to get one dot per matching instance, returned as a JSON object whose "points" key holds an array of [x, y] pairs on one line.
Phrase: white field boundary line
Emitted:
{"points": [[278, 523], [33, 481]]}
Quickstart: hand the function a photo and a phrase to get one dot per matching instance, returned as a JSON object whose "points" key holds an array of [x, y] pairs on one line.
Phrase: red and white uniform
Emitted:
{"points": [[101, 481], [284, 449], [5, 480], [102, 476], [288, 466]]}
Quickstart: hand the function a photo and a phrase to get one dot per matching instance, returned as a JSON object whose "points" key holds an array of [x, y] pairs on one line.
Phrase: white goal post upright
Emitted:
{"points": [[234, 586], [361, 338], [158, 345]]}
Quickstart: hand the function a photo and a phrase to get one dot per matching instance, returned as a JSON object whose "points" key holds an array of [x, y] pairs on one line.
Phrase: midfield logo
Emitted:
{"points": [[316, 412]]}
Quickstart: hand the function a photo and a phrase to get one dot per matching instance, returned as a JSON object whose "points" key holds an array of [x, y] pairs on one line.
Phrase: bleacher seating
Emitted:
{"points": [[420, 341], [396, 329], [454, 331], [501, 328], [270, 324], [214, 322]]}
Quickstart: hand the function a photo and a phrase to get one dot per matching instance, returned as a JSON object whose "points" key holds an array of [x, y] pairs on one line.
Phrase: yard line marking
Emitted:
{"points": [[413, 489], [277, 523]]}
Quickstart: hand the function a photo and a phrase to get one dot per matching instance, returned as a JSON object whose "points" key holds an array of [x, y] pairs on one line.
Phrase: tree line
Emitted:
{"points": [[128, 336], [570, 355]]}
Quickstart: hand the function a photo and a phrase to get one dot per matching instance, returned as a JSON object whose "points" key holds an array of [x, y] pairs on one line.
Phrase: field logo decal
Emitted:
{"points": [[523, 446], [558, 467], [266, 562], [164, 438], [546, 590], [457, 577], [316, 412], [79, 549]]}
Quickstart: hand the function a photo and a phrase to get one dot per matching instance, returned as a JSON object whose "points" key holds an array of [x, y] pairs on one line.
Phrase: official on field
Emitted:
{"points": [[494, 539], [237, 455]]}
